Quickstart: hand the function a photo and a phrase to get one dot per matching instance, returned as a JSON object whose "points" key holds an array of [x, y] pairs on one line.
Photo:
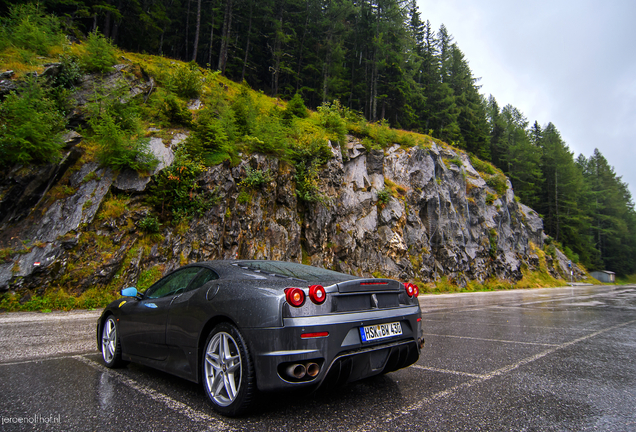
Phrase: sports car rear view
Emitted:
{"points": [[240, 327]]}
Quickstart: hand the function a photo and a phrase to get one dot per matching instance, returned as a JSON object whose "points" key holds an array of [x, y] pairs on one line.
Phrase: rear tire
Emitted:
{"points": [[111, 346], [228, 371]]}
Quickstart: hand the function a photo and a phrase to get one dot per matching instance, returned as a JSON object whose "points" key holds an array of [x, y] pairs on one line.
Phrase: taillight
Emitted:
{"points": [[317, 294], [412, 290], [295, 296], [314, 335]]}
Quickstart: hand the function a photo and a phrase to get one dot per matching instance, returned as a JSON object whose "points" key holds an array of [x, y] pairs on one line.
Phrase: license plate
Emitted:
{"points": [[380, 331]]}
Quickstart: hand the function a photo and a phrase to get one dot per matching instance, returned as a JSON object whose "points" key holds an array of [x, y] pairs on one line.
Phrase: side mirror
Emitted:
{"points": [[129, 292]]}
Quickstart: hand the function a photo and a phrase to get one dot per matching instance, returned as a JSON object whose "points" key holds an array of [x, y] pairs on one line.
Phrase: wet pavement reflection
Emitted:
{"points": [[547, 359]]}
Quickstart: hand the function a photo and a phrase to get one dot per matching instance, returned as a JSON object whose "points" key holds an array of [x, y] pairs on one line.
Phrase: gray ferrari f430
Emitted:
{"points": [[240, 327]]}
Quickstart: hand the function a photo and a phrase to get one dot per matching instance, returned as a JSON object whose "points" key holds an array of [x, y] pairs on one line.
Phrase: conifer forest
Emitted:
{"points": [[383, 60]]}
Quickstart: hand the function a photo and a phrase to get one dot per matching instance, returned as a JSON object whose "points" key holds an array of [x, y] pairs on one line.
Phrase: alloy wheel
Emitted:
{"points": [[223, 368]]}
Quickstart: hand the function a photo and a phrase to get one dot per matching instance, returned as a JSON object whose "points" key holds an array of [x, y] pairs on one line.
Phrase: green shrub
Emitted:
{"points": [[61, 98], [382, 134], [369, 144], [316, 152], [209, 135], [384, 196], [332, 117], [176, 111], [481, 166], [58, 299], [255, 178], [70, 72], [100, 53], [407, 140], [117, 148], [307, 189], [27, 27], [31, 127], [27, 57], [117, 131], [175, 193], [244, 197], [116, 103], [271, 137], [213, 135], [307, 159], [498, 183], [244, 112], [295, 108], [456, 161], [186, 81], [150, 224], [492, 238], [573, 256], [490, 198], [550, 250]]}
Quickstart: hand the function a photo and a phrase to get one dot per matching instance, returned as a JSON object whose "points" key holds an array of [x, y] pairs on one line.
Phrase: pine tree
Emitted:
{"points": [[520, 159], [612, 216], [562, 188]]}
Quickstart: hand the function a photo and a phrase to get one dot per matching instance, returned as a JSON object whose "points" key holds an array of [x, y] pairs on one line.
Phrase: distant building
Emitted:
{"points": [[604, 276]]}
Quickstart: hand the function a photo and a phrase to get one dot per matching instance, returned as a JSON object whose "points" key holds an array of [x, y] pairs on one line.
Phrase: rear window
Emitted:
{"points": [[297, 271]]}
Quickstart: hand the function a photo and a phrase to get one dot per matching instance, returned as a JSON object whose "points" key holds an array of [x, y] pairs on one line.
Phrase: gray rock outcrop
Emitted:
{"points": [[440, 219]]}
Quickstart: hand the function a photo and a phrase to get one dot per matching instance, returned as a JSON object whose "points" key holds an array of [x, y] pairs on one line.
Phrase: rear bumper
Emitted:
{"points": [[342, 356]]}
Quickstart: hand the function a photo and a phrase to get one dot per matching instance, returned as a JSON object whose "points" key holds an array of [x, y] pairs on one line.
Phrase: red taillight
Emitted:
{"points": [[295, 296], [314, 335], [411, 289], [317, 294]]}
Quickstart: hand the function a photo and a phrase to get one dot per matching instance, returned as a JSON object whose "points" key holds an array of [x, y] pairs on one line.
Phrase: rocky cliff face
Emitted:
{"points": [[408, 213], [417, 213]]}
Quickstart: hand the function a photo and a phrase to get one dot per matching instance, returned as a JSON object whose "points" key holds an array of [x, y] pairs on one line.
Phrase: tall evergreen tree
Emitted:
{"points": [[560, 195], [520, 159], [612, 216]]}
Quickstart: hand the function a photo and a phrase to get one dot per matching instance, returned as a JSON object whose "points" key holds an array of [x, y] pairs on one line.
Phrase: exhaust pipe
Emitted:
{"points": [[312, 369], [297, 370], [421, 343]]}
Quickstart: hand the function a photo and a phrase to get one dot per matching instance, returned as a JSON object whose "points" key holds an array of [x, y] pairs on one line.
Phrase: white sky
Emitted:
{"points": [[572, 63]]}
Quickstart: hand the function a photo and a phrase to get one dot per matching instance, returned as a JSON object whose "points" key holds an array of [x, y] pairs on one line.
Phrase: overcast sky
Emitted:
{"points": [[572, 63]]}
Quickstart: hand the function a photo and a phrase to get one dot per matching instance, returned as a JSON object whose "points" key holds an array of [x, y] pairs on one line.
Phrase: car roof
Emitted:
{"points": [[286, 269]]}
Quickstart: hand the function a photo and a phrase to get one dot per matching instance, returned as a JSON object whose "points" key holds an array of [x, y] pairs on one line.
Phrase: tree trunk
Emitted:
{"points": [[107, 25], [195, 49], [211, 41], [353, 63], [115, 31], [247, 45], [374, 73], [556, 202], [374, 87], [225, 36], [277, 54], [302, 46], [187, 28], [326, 66]]}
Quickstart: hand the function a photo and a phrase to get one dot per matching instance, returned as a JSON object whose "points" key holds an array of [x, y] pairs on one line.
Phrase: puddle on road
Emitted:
{"points": [[590, 303]]}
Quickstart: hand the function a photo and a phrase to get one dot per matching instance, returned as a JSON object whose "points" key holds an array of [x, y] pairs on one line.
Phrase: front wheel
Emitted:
{"points": [[111, 346], [228, 371]]}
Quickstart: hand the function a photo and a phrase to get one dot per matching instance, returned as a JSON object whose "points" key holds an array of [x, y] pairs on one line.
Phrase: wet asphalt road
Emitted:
{"points": [[549, 359]]}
